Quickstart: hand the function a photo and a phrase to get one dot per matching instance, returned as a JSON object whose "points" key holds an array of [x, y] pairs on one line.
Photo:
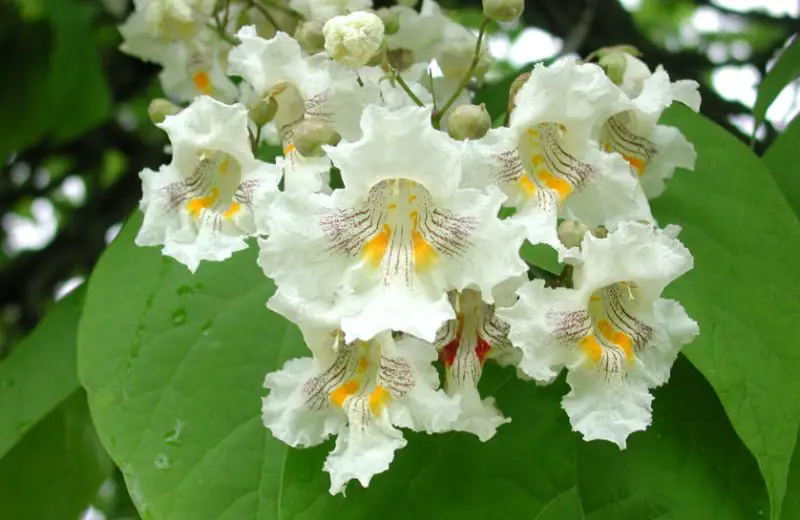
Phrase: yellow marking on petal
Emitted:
{"points": [[289, 149], [379, 399], [412, 198], [527, 186], [616, 337], [594, 298], [424, 254], [202, 82], [232, 210], [341, 393], [196, 205], [363, 364], [606, 147], [537, 160], [562, 187], [636, 163], [375, 249], [532, 133], [591, 348], [223, 166], [392, 206]]}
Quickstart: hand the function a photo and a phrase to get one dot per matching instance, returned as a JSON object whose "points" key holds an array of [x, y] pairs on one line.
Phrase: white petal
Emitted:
{"points": [[672, 329], [399, 144], [674, 151], [538, 321], [285, 409], [362, 455], [633, 252], [606, 409]]}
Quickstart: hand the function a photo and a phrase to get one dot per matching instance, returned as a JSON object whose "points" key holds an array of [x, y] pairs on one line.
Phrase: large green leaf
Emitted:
{"points": [[785, 70], [791, 504], [174, 363], [55, 471], [744, 290], [783, 160], [40, 372]]}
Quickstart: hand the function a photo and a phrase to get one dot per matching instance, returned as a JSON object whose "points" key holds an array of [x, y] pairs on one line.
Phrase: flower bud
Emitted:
{"points": [[503, 10], [263, 111], [571, 233], [353, 39], [160, 108], [309, 136], [469, 122], [390, 19], [614, 60], [309, 36], [401, 59], [456, 54]]}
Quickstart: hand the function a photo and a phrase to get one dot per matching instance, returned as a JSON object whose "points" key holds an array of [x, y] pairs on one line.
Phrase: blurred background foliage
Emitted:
{"points": [[75, 132]]}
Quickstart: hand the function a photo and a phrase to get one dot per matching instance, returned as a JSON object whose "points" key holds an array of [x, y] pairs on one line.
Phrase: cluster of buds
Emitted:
{"points": [[415, 259]]}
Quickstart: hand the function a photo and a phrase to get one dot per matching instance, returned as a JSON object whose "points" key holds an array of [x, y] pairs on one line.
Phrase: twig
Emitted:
{"points": [[465, 80]]}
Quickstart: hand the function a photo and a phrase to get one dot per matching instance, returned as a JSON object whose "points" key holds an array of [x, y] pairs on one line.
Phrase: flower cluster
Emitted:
{"points": [[393, 220]]}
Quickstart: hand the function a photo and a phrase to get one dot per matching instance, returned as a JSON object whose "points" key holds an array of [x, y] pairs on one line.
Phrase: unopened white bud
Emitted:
{"points": [[469, 122], [571, 233], [503, 10], [160, 108], [309, 36], [353, 39], [456, 54], [309, 136]]}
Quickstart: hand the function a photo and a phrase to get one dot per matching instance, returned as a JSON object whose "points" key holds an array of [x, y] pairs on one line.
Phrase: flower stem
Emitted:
{"points": [[465, 80], [405, 87]]}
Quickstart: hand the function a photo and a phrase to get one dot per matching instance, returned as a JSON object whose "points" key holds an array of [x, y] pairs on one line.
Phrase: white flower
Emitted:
{"points": [[353, 39], [613, 332], [200, 206], [362, 392], [400, 234], [429, 34], [174, 19], [547, 162], [464, 344], [191, 66], [653, 151], [323, 10]]}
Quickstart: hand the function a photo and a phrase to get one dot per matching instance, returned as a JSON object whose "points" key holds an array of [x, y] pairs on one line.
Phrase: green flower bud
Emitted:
{"points": [[614, 60], [503, 10], [401, 59], [390, 18], [309, 36], [571, 233], [160, 108], [263, 111], [469, 122], [309, 136]]}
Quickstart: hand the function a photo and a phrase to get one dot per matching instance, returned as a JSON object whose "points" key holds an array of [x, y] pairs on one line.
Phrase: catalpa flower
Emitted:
{"points": [[200, 206], [546, 161], [464, 345], [192, 66], [389, 246], [652, 150], [362, 392], [612, 331]]}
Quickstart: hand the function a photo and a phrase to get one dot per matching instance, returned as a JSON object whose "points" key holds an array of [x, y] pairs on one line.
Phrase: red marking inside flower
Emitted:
{"points": [[482, 348], [447, 354]]}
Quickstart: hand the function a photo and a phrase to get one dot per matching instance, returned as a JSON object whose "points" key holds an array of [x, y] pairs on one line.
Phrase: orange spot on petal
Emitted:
{"points": [[562, 187], [375, 249], [202, 82], [379, 399], [591, 347], [196, 205], [232, 210], [424, 254], [636, 163], [527, 186], [341, 393]]}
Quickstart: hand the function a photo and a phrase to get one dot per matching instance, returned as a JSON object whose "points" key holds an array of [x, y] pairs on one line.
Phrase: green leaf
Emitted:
{"points": [[174, 364], [744, 290], [55, 471], [541, 255], [40, 372], [785, 70], [791, 504], [783, 160]]}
